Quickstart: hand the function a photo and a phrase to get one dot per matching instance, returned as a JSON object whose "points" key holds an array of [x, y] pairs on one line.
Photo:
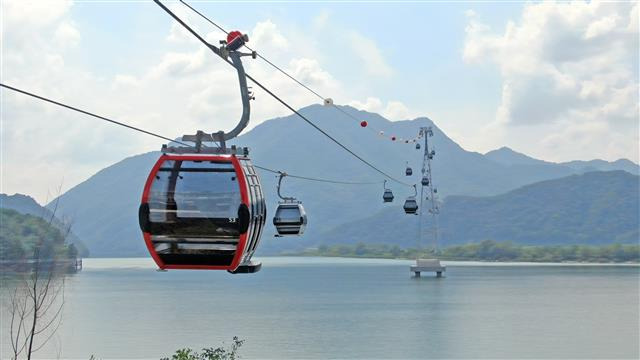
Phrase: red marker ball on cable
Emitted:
{"points": [[363, 123]]}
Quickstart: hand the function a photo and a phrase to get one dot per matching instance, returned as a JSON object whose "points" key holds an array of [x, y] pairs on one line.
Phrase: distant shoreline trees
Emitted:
{"points": [[22, 236], [488, 250]]}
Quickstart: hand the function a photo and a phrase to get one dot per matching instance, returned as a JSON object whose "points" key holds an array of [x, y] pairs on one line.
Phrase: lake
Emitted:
{"points": [[350, 308]]}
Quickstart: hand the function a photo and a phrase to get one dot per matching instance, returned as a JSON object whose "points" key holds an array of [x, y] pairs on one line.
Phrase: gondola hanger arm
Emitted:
{"points": [[232, 57], [277, 98], [280, 177]]}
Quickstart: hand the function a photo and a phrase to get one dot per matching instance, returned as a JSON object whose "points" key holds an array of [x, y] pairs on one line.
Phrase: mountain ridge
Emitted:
{"points": [[569, 210], [105, 206]]}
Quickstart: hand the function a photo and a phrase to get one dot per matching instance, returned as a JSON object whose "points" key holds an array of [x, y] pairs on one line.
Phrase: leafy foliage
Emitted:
{"points": [[219, 353], [488, 250], [20, 233], [25, 204]]}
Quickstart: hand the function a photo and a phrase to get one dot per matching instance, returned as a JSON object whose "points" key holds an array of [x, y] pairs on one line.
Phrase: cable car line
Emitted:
{"points": [[258, 54], [193, 213], [317, 179], [277, 67], [169, 139], [324, 132], [274, 65], [91, 114], [281, 101], [324, 99]]}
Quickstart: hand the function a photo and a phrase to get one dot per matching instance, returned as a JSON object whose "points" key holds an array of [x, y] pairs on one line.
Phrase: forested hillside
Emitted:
{"points": [[20, 233]]}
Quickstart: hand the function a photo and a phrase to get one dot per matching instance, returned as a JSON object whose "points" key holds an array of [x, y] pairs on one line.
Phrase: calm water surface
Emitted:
{"points": [[350, 308]]}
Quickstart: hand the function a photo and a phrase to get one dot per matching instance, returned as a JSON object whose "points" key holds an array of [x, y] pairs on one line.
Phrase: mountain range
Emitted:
{"points": [[507, 156], [594, 208], [104, 207]]}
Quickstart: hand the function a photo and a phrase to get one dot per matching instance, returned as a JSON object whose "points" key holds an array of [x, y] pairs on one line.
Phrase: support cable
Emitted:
{"points": [[318, 179], [42, 98], [280, 100], [285, 73], [91, 114]]}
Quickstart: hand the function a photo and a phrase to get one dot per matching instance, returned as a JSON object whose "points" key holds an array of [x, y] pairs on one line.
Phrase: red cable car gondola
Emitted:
{"points": [[203, 211], [203, 207]]}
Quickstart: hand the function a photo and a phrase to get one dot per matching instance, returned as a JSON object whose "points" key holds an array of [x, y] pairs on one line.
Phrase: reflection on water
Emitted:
{"points": [[351, 308]]}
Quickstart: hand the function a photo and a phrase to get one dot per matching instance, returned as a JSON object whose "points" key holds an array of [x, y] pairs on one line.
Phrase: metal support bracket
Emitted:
{"points": [[284, 198], [246, 95]]}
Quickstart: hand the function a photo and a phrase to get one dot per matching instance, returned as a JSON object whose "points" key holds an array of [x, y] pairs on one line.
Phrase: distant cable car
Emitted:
{"points": [[408, 171], [290, 217], [425, 181], [203, 211], [388, 194], [411, 205], [417, 146]]}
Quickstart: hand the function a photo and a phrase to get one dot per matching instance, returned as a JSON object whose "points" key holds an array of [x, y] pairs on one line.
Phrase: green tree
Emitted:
{"points": [[219, 353]]}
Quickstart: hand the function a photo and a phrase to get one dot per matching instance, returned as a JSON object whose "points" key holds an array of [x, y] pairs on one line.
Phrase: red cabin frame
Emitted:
{"points": [[242, 182]]}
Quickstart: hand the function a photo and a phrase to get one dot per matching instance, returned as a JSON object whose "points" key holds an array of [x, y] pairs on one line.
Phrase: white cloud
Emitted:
{"points": [[370, 55], [179, 64], [185, 89], [601, 26], [321, 20], [266, 35], [393, 110], [572, 67], [34, 13], [67, 34], [309, 72]]}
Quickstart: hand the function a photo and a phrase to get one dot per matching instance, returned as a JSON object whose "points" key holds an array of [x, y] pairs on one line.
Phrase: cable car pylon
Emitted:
{"points": [[428, 265]]}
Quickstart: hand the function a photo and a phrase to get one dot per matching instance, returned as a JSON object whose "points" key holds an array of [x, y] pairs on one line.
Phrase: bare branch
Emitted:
{"points": [[37, 302]]}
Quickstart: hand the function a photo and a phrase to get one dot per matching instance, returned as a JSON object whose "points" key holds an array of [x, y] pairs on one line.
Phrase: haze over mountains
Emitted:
{"points": [[104, 207], [594, 208], [507, 156]]}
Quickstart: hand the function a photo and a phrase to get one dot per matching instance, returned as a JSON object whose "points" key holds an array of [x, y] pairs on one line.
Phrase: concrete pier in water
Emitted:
{"points": [[428, 265]]}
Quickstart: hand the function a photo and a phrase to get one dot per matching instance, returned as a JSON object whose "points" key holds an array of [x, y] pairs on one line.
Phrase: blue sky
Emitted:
{"points": [[557, 81], [423, 43]]}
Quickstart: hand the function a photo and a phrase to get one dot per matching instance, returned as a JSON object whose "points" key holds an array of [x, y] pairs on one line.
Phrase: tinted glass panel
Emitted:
{"points": [[195, 198], [288, 213]]}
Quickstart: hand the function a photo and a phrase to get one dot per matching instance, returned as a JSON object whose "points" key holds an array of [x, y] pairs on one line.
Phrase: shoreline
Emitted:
{"points": [[465, 261], [284, 260]]}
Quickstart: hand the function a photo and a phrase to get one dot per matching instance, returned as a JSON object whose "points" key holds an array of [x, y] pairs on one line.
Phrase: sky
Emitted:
{"points": [[556, 81]]}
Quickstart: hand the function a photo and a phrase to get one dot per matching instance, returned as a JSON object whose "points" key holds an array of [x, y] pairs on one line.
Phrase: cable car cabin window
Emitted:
{"points": [[289, 214], [195, 199]]}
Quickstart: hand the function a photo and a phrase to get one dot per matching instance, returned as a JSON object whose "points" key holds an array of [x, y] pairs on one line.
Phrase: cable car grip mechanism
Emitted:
{"points": [[229, 52]]}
